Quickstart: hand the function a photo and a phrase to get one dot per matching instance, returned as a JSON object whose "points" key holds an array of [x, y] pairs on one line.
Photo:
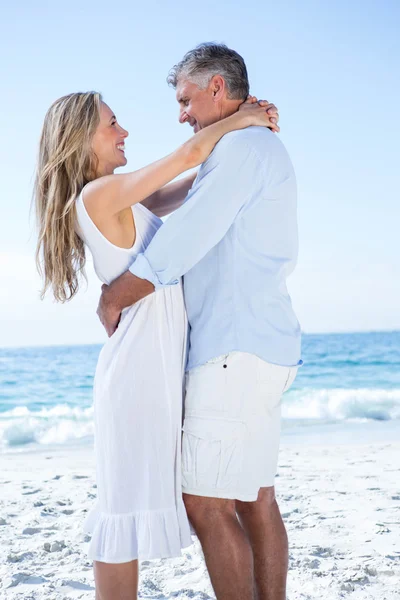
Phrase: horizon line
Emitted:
{"points": [[304, 333]]}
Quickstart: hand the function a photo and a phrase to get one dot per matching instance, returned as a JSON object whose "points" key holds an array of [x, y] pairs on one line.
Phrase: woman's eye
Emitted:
{"points": [[114, 123]]}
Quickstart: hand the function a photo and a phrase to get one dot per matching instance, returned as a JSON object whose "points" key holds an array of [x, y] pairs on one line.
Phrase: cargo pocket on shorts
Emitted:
{"points": [[212, 453]]}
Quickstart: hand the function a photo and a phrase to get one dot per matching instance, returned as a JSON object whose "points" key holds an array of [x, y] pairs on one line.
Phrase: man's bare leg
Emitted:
{"points": [[227, 551], [263, 524], [116, 582]]}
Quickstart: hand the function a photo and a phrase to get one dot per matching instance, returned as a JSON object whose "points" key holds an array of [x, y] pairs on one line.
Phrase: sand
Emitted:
{"points": [[340, 503]]}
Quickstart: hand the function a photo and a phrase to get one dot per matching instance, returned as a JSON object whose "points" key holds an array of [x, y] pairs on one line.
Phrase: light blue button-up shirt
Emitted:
{"points": [[235, 242]]}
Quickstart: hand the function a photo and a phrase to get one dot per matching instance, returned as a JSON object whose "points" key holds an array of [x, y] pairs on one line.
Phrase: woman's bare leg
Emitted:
{"points": [[116, 582]]}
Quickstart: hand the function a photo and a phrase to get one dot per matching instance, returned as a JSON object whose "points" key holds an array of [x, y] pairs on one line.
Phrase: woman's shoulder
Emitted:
{"points": [[92, 192]]}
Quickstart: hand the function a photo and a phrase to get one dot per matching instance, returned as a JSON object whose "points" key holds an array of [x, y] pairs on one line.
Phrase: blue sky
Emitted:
{"points": [[332, 68]]}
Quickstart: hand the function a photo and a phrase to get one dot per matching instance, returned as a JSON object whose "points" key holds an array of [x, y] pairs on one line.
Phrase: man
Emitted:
{"points": [[235, 241]]}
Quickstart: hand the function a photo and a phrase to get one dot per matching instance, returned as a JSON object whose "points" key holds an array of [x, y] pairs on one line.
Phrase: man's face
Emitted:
{"points": [[197, 107]]}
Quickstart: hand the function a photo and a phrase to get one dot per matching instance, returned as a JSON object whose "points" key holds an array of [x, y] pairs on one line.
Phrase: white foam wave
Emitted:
{"points": [[342, 404], [56, 425], [62, 423]]}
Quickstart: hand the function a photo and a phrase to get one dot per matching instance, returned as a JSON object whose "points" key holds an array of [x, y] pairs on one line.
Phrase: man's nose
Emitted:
{"points": [[183, 117]]}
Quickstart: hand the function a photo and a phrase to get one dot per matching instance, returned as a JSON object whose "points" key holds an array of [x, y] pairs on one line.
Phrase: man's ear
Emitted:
{"points": [[218, 87]]}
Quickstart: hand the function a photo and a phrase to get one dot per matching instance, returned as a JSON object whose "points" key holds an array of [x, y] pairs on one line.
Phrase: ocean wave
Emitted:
{"points": [[56, 425], [341, 404], [62, 423]]}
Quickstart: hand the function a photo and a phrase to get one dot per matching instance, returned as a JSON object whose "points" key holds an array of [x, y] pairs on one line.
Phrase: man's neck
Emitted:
{"points": [[229, 108]]}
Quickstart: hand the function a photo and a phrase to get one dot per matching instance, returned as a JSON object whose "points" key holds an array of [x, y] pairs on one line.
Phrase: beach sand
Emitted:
{"points": [[340, 503]]}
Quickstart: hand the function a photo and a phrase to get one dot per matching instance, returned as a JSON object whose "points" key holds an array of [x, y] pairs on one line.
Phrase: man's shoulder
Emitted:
{"points": [[251, 135], [258, 144], [257, 140]]}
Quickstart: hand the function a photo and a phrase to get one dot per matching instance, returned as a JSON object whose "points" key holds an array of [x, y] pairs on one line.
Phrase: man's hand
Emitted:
{"points": [[108, 313], [124, 291]]}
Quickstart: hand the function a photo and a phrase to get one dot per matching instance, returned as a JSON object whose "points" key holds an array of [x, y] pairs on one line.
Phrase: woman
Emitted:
{"points": [[138, 384]]}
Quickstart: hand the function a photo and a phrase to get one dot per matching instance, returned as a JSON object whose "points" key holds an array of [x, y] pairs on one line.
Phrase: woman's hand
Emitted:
{"points": [[261, 113]]}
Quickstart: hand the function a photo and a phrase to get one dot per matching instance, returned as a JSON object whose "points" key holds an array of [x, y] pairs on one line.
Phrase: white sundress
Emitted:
{"points": [[138, 396]]}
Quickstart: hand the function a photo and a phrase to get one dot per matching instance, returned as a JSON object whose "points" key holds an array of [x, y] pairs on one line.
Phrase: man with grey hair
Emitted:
{"points": [[234, 240]]}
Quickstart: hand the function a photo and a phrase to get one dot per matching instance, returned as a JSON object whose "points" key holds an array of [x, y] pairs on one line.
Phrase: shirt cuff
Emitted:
{"points": [[142, 269]]}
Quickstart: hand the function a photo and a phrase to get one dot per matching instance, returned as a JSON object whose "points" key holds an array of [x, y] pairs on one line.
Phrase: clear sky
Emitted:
{"points": [[332, 68]]}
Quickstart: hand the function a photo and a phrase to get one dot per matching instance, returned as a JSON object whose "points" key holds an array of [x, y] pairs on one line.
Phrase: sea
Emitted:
{"points": [[347, 389]]}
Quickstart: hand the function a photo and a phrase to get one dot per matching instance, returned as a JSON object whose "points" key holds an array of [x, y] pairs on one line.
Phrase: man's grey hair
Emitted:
{"points": [[206, 60]]}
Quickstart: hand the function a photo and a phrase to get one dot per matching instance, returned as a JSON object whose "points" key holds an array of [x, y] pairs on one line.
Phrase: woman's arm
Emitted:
{"points": [[108, 196], [170, 197]]}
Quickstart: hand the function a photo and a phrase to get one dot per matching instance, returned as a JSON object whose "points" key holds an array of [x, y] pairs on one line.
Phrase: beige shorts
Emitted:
{"points": [[232, 426]]}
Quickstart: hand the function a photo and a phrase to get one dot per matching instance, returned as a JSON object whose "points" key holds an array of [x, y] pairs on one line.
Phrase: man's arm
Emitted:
{"points": [[228, 178], [231, 174], [124, 291]]}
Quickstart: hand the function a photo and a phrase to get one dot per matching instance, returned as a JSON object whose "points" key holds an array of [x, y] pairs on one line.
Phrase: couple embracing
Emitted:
{"points": [[200, 323]]}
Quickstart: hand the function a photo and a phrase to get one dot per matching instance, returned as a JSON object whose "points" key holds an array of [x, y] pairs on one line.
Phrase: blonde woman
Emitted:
{"points": [[138, 384]]}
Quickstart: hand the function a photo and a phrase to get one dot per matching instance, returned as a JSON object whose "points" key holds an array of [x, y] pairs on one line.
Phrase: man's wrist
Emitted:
{"points": [[126, 290], [110, 299]]}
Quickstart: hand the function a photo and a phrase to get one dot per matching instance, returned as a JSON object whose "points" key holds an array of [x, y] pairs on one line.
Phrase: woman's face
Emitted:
{"points": [[109, 142]]}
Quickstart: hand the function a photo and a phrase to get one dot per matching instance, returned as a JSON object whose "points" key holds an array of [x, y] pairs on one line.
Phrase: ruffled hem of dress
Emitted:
{"points": [[143, 535]]}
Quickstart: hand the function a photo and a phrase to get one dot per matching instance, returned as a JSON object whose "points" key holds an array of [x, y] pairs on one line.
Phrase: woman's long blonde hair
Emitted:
{"points": [[66, 164]]}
